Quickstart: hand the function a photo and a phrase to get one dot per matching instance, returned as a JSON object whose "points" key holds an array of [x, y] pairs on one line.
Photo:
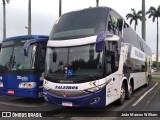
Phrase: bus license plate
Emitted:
{"points": [[10, 91], [67, 104]]}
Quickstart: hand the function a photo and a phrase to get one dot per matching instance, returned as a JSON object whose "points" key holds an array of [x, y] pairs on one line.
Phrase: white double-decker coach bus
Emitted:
{"points": [[93, 59]]}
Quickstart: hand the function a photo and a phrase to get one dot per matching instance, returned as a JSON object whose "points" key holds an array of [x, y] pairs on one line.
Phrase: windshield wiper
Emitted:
{"points": [[13, 63]]}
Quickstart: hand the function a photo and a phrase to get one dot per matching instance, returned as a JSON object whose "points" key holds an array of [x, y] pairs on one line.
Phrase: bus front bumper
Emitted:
{"points": [[97, 99], [30, 93]]}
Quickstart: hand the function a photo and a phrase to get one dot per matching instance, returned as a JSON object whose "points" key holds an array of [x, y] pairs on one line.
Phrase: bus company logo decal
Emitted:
{"points": [[67, 87], [24, 78], [65, 94], [93, 83]]}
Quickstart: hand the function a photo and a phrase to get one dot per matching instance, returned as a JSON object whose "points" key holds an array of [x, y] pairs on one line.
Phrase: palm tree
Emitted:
{"points": [[134, 17], [60, 8], [97, 3], [29, 17], [143, 21], [155, 13], [4, 17]]}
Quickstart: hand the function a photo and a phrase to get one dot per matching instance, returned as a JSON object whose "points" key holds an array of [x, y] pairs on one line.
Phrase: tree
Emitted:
{"points": [[134, 17], [155, 14], [4, 17], [97, 3], [29, 17], [143, 21]]}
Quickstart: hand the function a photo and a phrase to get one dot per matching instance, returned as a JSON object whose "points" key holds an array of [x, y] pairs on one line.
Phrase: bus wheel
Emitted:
{"points": [[122, 95], [129, 92]]}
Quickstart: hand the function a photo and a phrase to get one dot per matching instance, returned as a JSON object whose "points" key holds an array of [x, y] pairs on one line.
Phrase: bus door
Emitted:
{"points": [[111, 62]]}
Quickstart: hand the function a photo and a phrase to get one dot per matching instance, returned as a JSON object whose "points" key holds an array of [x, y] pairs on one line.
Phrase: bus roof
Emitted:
{"points": [[26, 37]]}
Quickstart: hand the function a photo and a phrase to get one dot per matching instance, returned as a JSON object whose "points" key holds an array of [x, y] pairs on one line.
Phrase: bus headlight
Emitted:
{"points": [[27, 85], [46, 88], [1, 84], [99, 87], [95, 88]]}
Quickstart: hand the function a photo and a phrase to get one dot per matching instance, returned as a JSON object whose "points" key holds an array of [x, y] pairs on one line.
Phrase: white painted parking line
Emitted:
{"points": [[144, 95]]}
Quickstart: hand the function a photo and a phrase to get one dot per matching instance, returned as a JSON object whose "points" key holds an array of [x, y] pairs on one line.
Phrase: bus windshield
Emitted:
{"points": [[80, 24], [73, 62], [12, 58]]}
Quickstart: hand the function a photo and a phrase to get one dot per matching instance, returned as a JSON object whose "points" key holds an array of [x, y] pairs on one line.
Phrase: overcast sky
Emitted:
{"points": [[45, 12]]}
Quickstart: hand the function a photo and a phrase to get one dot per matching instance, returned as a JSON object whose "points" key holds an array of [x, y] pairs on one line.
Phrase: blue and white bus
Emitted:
{"points": [[22, 62], [93, 59]]}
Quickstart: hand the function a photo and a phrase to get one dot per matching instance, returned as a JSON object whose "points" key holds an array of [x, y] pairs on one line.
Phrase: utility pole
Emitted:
{"points": [[97, 3], [143, 21], [4, 19], [60, 8], [29, 17]]}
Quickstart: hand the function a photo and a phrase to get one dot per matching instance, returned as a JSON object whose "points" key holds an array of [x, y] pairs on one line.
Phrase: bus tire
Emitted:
{"points": [[121, 100], [129, 92]]}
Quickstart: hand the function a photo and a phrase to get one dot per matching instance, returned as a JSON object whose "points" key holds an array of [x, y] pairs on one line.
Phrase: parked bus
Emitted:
{"points": [[22, 62], [93, 59]]}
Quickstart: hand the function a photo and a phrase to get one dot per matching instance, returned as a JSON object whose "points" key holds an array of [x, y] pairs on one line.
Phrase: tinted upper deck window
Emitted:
{"points": [[80, 23]]}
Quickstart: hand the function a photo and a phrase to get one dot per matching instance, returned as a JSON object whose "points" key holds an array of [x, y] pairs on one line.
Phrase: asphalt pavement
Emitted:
{"points": [[149, 103]]}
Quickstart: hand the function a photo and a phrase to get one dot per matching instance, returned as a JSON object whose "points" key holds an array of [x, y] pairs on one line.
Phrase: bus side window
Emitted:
{"points": [[111, 57], [109, 61]]}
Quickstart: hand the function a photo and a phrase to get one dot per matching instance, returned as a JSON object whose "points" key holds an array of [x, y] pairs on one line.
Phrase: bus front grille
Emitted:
{"points": [[67, 93]]}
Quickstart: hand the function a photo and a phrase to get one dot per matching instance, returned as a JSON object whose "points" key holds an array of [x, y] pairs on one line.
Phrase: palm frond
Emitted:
{"points": [[129, 15], [133, 11], [158, 10], [140, 18], [151, 10], [151, 15], [7, 1], [139, 12], [131, 21], [154, 17], [136, 22]]}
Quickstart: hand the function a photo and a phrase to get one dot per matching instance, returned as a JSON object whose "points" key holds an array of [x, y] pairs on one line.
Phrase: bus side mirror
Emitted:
{"points": [[27, 45], [54, 57], [26, 49], [32, 41], [100, 41]]}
